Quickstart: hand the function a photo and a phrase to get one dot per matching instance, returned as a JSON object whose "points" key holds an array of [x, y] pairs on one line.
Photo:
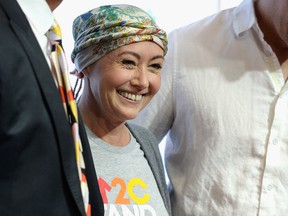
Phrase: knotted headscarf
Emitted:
{"points": [[106, 28]]}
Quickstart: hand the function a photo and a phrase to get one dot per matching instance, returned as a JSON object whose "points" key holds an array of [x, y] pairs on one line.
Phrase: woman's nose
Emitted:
{"points": [[140, 79]]}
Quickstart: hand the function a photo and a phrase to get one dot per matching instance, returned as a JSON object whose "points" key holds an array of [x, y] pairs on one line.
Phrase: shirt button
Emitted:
{"points": [[269, 187]]}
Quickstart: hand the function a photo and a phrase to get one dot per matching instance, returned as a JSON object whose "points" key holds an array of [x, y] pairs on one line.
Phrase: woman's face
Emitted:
{"points": [[124, 81]]}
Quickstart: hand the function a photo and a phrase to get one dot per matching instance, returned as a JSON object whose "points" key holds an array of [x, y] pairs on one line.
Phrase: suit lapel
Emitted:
{"points": [[50, 96]]}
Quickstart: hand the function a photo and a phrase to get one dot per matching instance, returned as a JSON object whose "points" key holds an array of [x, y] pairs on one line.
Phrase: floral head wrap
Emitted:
{"points": [[106, 28]]}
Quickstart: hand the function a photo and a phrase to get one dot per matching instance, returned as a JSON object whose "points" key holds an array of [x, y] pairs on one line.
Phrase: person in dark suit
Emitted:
{"points": [[38, 170]]}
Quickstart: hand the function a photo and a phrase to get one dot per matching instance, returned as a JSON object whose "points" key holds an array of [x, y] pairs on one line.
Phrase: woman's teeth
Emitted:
{"points": [[130, 96]]}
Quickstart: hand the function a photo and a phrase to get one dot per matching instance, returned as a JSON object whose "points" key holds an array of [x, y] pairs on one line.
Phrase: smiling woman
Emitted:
{"points": [[164, 14], [119, 52]]}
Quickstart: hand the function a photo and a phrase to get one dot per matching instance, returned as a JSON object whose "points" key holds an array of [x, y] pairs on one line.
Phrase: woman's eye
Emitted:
{"points": [[157, 66], [128, 62]]}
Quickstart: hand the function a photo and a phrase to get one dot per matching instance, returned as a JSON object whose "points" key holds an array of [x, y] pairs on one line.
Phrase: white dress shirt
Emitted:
{"points": [[224, 104], [40, 18]]}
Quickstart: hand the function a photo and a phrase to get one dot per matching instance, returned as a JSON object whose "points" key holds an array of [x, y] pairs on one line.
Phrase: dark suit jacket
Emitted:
{"points": [[38, 171]]}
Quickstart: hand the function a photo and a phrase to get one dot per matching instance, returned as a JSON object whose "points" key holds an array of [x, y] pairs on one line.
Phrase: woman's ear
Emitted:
{"points": [[77, 74], [86, 72]]}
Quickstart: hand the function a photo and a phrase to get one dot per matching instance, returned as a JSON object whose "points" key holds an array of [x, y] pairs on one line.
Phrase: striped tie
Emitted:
{"points": [[59, 62]]}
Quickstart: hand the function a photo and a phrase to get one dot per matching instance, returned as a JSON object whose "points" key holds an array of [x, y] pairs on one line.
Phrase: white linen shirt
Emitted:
{"points": [[224, 103]]}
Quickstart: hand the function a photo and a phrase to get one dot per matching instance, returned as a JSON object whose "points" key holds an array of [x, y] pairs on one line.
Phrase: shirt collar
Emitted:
{"points": [[38, 13], [244, 17]]}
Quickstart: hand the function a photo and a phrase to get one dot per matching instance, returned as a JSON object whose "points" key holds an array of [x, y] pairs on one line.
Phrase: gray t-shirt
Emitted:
{"points": [[126, 182]]}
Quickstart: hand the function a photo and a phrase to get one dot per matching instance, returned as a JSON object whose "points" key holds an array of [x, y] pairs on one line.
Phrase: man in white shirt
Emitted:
{"points": [[223, 104], [38, 170]]}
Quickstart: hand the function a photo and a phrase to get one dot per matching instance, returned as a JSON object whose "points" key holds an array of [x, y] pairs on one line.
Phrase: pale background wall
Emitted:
{"points": [[168, 15]]}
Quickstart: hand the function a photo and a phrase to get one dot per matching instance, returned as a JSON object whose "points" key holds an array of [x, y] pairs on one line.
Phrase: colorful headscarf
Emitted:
{"points": [[106, 28]]}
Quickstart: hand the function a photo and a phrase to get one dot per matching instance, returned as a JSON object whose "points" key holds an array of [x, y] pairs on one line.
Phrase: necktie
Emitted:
{"points": [[59, 62]]}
